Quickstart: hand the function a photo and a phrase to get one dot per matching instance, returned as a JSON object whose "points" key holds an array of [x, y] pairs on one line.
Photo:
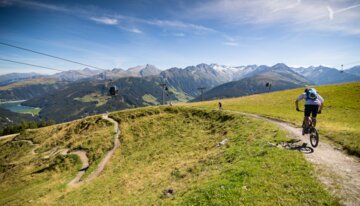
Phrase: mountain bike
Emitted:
{"points": [[312, 131]]}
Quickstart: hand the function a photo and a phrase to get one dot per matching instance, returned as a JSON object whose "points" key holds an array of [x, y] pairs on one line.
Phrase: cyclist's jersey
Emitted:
{"points": [[318, 101]]}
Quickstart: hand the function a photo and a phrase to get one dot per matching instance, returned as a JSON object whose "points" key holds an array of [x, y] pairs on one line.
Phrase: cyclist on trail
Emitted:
{"points": [[313, 104]]}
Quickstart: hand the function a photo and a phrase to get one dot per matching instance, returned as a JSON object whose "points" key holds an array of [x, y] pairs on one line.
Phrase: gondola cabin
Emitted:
{"points": [[113, 90]]}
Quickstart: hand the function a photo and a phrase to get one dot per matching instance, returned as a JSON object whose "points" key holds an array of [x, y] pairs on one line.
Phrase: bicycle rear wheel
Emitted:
{"points": [[314, 137]]}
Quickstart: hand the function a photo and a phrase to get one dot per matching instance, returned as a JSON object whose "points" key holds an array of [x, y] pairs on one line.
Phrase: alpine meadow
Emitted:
{"points": [[173, 102]]}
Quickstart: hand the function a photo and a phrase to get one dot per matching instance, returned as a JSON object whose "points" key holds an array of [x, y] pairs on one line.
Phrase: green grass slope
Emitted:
{"points": [[339, 121], [31, 170], [161, 149]]}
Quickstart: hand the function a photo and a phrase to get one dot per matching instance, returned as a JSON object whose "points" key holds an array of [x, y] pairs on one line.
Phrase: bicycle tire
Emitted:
{"points": [[303, 129], [314, 137]]}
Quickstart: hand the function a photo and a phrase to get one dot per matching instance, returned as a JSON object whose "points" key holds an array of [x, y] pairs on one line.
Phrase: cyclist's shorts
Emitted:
{"points": [[313, 109]]}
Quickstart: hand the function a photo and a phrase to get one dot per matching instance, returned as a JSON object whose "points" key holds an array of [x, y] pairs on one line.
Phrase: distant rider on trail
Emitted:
{"points": [[313, 104]]}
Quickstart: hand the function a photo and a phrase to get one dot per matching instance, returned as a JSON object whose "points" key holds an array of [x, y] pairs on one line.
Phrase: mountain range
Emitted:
{"points": [[16, 77], [264, 79], [72, 94]]}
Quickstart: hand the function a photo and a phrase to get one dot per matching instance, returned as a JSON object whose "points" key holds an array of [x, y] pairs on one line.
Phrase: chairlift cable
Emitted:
{"points": [[33, 65], [52, 56], [113, 89], [39, 66]]}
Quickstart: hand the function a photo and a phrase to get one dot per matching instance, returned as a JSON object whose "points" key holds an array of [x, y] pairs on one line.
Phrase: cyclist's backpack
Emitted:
{"points": [[311, 94]]}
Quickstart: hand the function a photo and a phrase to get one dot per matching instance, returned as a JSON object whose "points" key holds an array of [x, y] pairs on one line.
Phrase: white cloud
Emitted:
{"points": [[231, 43], [135, 30], [39, 5], [348, 8], [179, 34], [105, 20], [286, 7], [331, 13], [5, 3], [178, 25], [127, 22], [295, 14]]}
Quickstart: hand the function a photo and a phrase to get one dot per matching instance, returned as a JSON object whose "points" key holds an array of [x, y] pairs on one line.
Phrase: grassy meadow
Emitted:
{"points": [[27, 83], [30, 168], [34, 111], [339, 121], [94, 97], [168, 156]]}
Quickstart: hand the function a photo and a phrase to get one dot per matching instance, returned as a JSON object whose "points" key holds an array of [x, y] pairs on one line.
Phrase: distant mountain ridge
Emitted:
{"points": [[215, 73], [138, 71], [73, 94], [16, 77], [74, 75], [324, 75], [354, 70], [279, 76], [187, 81]]}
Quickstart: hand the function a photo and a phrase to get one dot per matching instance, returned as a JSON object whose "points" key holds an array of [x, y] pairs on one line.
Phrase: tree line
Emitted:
{"points": [[16, 128]]}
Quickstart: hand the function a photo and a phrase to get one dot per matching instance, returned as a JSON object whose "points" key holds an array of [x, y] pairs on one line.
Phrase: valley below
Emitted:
{"points": [[15, 106]]}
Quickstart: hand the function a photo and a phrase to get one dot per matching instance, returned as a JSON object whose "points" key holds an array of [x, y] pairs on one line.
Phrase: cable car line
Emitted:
{"points": [[33, 65], [39, 66], [52, 56], [113, 90]]}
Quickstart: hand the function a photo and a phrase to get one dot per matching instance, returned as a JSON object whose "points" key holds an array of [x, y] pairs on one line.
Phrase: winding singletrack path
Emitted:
{"points": [[337, 170], [81, 154], [85, 162], [85, 165], [110, 153]]}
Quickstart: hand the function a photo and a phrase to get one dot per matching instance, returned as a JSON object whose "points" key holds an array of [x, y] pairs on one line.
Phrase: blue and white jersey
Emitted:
{"points": [[318, 101]]}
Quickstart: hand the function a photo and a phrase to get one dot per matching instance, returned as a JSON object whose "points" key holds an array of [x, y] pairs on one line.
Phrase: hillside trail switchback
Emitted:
{"points": [[335, 169], [110, 153], [100, 167], [80, 153]]}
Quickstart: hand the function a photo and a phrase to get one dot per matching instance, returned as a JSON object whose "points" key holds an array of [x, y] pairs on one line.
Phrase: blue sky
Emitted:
{"points": [[178, 33]]}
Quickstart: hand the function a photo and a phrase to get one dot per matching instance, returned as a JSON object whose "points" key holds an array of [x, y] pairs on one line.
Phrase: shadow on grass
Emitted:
{"points": [[293, 145]]}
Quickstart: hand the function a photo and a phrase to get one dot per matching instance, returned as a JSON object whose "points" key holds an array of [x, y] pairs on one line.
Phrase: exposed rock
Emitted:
{"points": [[222, 143]]}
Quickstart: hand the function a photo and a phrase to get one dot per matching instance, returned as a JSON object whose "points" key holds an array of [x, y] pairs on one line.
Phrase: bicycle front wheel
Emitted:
{"points": [[314, 137]]}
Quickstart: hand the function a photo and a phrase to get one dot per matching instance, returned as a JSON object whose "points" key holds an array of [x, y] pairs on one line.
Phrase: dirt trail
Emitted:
{"points": [[30, 142], [82, 154], [110, 153], [85, 165], [337, 170], [8, 136]]}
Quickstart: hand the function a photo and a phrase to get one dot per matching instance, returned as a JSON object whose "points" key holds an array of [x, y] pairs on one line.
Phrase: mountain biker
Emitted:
{"points": [[313, 104]]}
